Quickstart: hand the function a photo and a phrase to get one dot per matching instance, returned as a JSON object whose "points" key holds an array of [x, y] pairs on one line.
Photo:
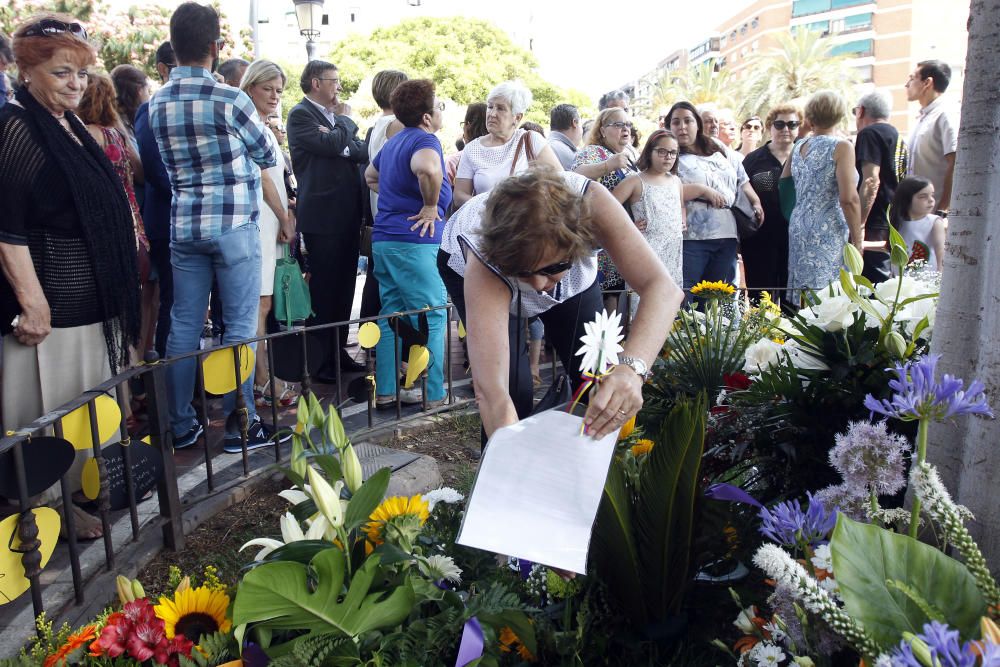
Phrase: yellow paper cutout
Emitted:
{"points": [[146, 440], [76, 425], [12, 580], [415, 365], [91, 479], [462, 333], [219, 376], [369, 335]]}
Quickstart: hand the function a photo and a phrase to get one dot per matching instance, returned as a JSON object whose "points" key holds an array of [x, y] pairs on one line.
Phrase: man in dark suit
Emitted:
{"points": [[326, 151]]}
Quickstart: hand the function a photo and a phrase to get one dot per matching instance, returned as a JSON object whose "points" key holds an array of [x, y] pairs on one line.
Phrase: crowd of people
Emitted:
{"points": [[129, 216]]}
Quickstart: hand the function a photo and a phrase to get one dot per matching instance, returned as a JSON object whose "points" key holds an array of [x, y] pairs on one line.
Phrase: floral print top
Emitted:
{"points": [[595, 154], [114, 149], [723, 172]]}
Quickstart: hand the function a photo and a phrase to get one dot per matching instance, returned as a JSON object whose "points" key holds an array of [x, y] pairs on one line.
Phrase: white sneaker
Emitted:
{"points": [[406, 397]]}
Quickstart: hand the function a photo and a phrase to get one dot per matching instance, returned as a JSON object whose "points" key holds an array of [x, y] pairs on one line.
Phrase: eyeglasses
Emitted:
{"points": [[49, 27], [665, 152], [790, 124], [219, 43], [550, 270], [439, 106], [620, 125]]}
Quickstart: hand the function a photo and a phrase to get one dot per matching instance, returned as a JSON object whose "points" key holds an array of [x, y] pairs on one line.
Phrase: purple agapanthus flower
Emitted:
{"points": [[918, 395], [945, 650], [788, 525]]}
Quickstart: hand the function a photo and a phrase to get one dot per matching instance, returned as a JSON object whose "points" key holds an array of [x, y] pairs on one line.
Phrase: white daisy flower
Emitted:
{"points": [[440, 568], [601, 343], [767, 654], [821, 559]]}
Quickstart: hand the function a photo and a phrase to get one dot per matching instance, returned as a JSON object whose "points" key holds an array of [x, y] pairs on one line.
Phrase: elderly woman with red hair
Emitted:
{"points": [[69, 289]]}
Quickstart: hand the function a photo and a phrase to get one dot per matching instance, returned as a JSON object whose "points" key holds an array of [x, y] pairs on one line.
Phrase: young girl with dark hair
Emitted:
{"points": [[912, 214]]}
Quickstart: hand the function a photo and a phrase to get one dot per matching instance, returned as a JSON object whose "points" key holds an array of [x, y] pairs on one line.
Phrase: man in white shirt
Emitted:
{"points": [[934, 140]]}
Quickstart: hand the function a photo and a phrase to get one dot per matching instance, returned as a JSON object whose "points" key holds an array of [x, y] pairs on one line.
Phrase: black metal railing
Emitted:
{"points": [[152, 379]]}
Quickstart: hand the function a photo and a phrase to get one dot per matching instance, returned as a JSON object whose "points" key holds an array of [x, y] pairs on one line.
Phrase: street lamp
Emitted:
{"points": [[309, 15]]}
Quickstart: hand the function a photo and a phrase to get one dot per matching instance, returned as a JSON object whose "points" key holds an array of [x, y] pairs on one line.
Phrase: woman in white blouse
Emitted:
{"points": [[491, 158]]}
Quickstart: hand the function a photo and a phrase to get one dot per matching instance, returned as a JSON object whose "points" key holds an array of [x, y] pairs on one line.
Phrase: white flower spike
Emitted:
{"points": [[601, 343]]}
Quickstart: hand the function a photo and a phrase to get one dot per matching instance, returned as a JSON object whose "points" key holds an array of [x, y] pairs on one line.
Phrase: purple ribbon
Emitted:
{"points": [[731, 493], [471, 647]]}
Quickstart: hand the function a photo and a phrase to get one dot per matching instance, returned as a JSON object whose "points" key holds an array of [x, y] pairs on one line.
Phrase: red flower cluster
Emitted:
{"points": [[137, 631]]}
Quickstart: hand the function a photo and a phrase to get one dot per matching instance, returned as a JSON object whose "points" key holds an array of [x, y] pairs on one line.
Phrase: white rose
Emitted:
{"points": [[880, 308], [832, 314], [803, 360], [762, 355]]}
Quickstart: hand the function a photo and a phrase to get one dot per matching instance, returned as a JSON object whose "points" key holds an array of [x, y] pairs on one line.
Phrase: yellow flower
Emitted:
{"points": [[713, 290], [767, 305], [508, 639], [392, 508], [627, 428], [641, 447], [194, 613]]}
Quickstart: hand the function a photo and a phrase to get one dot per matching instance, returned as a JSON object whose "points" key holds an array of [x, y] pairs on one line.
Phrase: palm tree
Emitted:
{"points": [[700, 84], [801, 65]]}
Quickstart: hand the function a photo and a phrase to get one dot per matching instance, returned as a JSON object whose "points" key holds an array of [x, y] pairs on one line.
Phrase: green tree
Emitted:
{"points": [[122, 36], [801, 65], [700, 84], [464, 57]]}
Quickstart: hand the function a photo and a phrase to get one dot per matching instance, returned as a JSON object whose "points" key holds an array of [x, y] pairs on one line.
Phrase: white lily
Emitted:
{"points": [[291, 531], [294, 496], [601, 343], [326, 497]]}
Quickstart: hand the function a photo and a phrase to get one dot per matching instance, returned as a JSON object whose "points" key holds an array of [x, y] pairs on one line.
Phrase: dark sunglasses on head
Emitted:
{"points": [[49, 27], [790, 124], [550, 270]]}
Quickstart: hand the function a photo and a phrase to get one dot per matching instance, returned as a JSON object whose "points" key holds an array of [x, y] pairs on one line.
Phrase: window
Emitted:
{"points": [[743, 29], [804, 7], [755, 23], [837, 4], [856, 49], [866, 73]]}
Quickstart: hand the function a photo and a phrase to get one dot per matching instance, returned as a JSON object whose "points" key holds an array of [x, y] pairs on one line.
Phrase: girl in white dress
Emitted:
{"points": [[656, 199], [913, 217]]}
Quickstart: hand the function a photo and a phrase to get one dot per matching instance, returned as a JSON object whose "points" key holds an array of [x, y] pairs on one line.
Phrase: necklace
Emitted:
{"points": [[64, 124]]}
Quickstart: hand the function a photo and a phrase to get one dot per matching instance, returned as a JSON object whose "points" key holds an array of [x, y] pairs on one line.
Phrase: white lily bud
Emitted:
{"points": [[352, 468], [326, 497]]}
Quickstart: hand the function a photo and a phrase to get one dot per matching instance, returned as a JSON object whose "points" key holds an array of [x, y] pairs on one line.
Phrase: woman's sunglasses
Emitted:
{"points": [[550, 270], [790, 124], [49, 27]]}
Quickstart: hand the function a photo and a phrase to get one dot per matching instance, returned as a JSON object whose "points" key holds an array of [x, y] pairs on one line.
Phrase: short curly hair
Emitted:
{"points": [[99, 104], [825, 109], [782, 109], [411, 100], [533, 214]]}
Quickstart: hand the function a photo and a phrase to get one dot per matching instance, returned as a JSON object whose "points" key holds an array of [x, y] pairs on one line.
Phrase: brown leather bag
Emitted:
{"points": [[523, 143]]}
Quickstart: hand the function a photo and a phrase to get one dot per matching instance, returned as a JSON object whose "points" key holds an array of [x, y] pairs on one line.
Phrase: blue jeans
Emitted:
{"points": [[714, 259], [234, 260], [408, 279]]}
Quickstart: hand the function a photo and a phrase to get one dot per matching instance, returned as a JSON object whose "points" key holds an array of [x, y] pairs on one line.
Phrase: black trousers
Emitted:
{"points": [[333, 265], [563, 328], [159, 256]]}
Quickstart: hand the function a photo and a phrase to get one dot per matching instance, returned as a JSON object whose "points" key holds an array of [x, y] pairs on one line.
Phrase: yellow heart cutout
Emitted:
{"points": [[219, 375], [369, 335], [462, 333], [415, 365], [91, 479], [12, 580], [76, 425]]}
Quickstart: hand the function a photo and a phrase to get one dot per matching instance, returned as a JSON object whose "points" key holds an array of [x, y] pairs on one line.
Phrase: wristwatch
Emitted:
{"points": [[941, 212], [639, 366]]}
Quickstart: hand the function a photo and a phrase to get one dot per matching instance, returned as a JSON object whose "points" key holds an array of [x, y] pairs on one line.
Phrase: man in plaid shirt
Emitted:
{"points": [[213, 146]]}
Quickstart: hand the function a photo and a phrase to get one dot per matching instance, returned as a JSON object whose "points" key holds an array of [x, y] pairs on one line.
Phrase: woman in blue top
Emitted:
{"points": [[408, 175]]}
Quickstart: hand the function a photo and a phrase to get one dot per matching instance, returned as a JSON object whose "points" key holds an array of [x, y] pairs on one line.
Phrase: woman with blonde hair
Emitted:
{"points": [[264, 82], [827, 211]]}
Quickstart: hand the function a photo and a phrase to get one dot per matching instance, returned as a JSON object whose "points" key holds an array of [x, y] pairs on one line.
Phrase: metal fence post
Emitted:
{"points": [[162, 437]]}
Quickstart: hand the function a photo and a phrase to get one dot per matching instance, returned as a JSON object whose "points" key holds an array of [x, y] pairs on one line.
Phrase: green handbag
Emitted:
{"points": [[292, 302]]}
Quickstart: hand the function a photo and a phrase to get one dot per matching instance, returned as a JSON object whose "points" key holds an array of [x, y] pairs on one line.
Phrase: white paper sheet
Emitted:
{"points": [[537, 491]]}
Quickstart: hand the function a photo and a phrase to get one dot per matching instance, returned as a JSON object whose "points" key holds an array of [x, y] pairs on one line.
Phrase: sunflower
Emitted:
{"points": [[713, 290], [194, 613], [398, 511], [627, 428], [641, 447], [73, 642]]}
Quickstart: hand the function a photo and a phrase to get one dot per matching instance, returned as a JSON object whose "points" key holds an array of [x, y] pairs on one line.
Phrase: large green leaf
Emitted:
{"points": [[281, 596], [613, 544], [368, 497], [665, 510], [866, 556]]}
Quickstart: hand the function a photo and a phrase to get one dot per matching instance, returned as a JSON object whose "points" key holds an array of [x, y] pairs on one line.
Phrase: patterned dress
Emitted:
{"points": [[817, 230], [660, 206], [611, 279]]}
